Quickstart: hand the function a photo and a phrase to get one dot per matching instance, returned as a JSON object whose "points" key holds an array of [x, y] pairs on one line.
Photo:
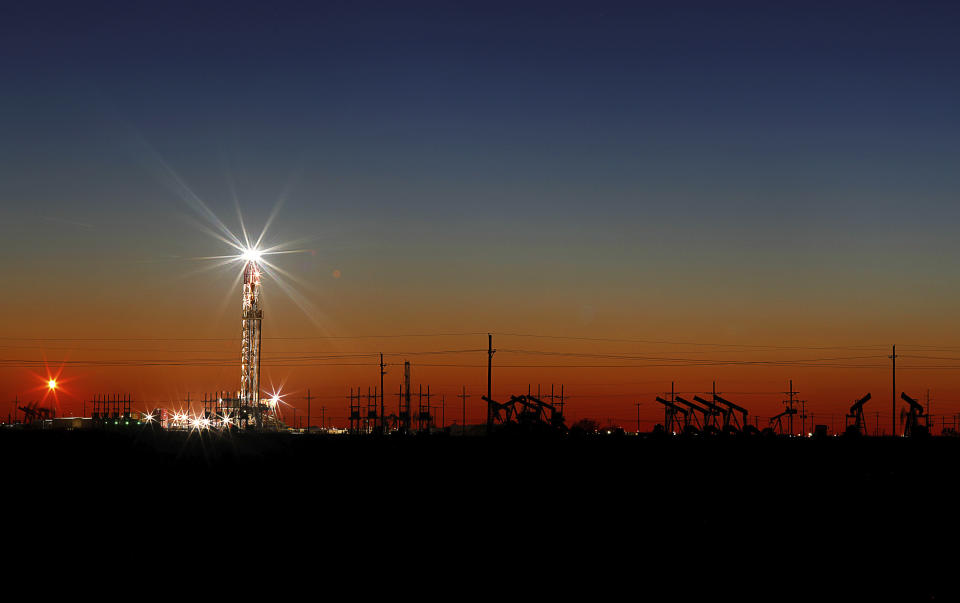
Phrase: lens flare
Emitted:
{"points": [[251, 254]]}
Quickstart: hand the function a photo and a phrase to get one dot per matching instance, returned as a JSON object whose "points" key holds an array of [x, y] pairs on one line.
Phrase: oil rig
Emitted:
{"points": [[248, 410]]}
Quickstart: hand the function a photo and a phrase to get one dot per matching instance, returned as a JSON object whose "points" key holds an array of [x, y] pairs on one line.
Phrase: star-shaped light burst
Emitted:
{"points": [[246, 250], [274, 399], [51, 384], [255, 252], [198, 423]]}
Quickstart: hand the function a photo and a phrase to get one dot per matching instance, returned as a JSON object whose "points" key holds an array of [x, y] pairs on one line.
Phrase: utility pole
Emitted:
{"points": [[188, 403], [463, 413], [562, 401], [893, 397], [429, 415], [323, 417], [789, 402], [383, 418], [308, 410], [667, 410], [803, 417], [443, 411], [490, 352], [637, 404]]}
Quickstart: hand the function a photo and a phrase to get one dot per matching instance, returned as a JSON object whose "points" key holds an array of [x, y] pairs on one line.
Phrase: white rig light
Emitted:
{"points": [[248, 409], [251, 254]]}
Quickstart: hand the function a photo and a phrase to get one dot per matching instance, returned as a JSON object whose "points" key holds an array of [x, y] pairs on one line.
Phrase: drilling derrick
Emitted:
{"points": [[249, 397]]}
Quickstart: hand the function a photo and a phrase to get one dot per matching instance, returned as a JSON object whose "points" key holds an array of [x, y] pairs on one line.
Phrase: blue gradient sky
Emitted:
{"points": [[683, 170]]}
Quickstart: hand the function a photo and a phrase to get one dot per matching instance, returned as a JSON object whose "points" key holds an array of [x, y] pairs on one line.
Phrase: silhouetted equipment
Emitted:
{"points": [[497, 413], [225, 407], [355, 419], [694, 408], [211, 406], [392, 422], [111, 409], [527, 412], [372, 419], [778, 419], [424, 416], [713, 422], [673, 421], [791, 410], [404, 411], [913, 419], [34, 414], [859, 424], [383, 424], [554, 398], [221, 407], [730, 418]]}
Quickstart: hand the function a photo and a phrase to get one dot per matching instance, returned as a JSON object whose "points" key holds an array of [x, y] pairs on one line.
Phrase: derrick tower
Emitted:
{"points": [[252, 318]]}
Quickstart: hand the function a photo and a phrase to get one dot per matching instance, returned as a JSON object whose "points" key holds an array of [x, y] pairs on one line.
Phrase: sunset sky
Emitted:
{"points": [[624, 194]]}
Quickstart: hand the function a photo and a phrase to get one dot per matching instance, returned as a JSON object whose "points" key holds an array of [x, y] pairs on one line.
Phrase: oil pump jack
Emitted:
{"points": [[912, 417], [859, 424], [34, 414], [713, 422], [730, 419], [778, 419], [694, 409], [672, 422]]}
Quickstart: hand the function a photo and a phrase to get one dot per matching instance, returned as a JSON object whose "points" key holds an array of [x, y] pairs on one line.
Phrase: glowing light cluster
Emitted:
{"points": [[251, 254]]}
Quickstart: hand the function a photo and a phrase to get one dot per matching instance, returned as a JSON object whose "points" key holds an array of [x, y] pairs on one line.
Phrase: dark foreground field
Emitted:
{"points": [[865, 519]]}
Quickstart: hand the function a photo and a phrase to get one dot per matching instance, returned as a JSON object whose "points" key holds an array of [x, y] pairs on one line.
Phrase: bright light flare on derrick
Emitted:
{"points": [[251, 254], [249, 407], [51, 384], [274, 400]]}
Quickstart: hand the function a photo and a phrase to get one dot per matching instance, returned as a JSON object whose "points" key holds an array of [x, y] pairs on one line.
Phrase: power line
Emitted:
{"points": [[690, 343], [503, 334], [307, 337]]}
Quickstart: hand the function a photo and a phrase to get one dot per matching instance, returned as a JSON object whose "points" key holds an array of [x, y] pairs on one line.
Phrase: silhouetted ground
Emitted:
{"points": [[867, 517]]}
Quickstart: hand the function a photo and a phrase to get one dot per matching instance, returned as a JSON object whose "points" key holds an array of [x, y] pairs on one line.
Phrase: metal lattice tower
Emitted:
{"points": [[252, 318]]}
